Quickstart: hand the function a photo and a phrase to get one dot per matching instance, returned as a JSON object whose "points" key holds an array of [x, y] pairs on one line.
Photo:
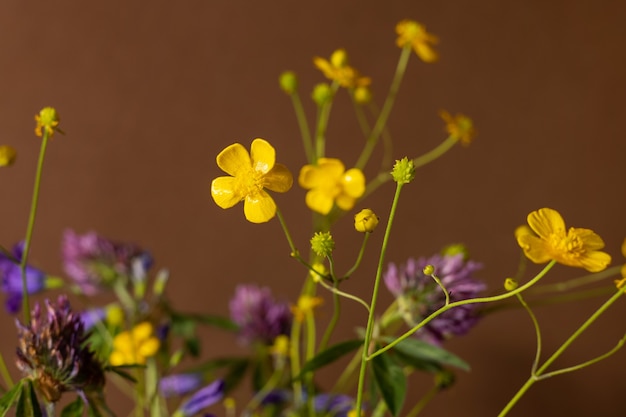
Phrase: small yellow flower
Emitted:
{"points": [[7, 155], [280, 347], [365, 221], [414, 34], [250, 174], [621, 283], [306, 304], [337, 69], [328, 182], [134, 346], [459, 127], [548, 240], [47, 120]]}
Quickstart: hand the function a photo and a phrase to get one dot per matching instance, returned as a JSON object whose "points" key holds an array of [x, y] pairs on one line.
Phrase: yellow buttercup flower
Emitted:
{"points": [[414, 34], [365, 221], [548, 240], [328, 182], [47, 120], [306, 304], [250, 174], [7, 155], [459, 126], [621, 283], [135, 346], [337, 69]]}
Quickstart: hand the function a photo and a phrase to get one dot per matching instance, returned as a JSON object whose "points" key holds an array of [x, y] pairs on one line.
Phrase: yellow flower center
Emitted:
{"points": [[570, 246], [251, 182]]}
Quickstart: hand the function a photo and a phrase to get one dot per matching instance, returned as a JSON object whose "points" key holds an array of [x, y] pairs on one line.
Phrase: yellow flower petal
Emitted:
{"points": [[595, 261], [353, 183], [259, 208], [319, 201], [148, 348], [534, 248], [279, 179], [426, 53], [345, 202], [142, 331], [234, 159], [117, 359], [546, 222], [225, 192], [591, 240], [263, 156]]}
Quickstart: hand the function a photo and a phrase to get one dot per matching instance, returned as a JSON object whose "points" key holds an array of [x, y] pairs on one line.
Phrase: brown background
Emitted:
{"points": [[150, 92]]}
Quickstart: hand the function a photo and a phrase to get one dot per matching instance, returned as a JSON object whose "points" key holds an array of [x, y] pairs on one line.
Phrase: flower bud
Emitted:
{"points": [[429, 270], [510, 284], [403, 171], [7, 155], [362, 95], [48, 120], [322, 244], [339, 58], [365, 221], [444, 379], [288, 82], [322, 94]]}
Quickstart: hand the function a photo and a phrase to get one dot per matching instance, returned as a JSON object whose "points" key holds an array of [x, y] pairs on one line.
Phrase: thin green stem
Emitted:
{"points": [[344, 294], [534, 378], [309, 354], [271, 383], [537, 332], [460, 303], [322, 123], [386, 110], [577, 282], [304, 127], [445, 291], [294, 355], [359, 257], [333, 321], [423, 402], [292, 246], [360, 116], [31, 225], [370, 319]]}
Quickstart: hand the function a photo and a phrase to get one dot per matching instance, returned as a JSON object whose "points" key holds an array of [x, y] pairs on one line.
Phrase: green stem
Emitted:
{"points": [[294, 251], [309, 354], [423, 402], [577, 282], [294, 354], [460, 303], [360, 116], [359, 257], [537, 332], [5, 373], [31, 225], [304, 128], [386, 110], [370, 319], [534, 378], [271, 383], [440, 284], [333, 321], [322, 124], [345, 295]]}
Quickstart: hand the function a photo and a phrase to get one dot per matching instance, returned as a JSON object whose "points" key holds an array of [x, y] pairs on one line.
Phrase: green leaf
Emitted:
{"points": [[329, 355], [390, 381], [10, 397], [424, 351], [192, 345], [74, 409], [119, 371], [28, 405], [417, 363], [235, 374]]}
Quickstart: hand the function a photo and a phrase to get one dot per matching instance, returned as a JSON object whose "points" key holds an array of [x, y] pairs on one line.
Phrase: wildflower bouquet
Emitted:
{"points": [[144, 344]]}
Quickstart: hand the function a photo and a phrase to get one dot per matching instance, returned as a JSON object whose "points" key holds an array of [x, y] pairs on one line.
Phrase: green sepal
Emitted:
{"points": [[390, 382], [10, 397], [74, 409], [329, 356], [28, 404]]}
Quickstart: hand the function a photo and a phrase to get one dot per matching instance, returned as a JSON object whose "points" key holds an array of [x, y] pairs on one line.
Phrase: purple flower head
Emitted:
{"points": [[179, 384], [334, 405], [52, 352], [207, 396], [11, 277], [418, 295], [94, 262], [259, 317], [92, 316]]}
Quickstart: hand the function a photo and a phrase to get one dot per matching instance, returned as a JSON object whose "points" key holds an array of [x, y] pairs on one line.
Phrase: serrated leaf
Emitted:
{"points": [[28, 405], [10, 397], [420, 350], [329, 355], [390, 381], [74, 409]]}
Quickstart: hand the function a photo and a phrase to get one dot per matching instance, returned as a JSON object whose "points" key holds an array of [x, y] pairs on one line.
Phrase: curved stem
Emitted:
{"points": [[294, 251], [333, 321], [537, 332], [358, 259], [31, 225]]}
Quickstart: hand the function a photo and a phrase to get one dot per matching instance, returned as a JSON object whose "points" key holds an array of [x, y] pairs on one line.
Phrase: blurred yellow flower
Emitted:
{"points": [[328, 182], [7, 155], [47, 120], [337, 69], [250, 174], [548, 240], [280, 347], [459, 127], [414, 34], [306, 304], [134, 346]]}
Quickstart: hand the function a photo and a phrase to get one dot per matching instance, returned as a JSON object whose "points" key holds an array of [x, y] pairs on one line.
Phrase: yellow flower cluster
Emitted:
{"points": [[460, 127], [135, 346], [306, 304], [411, 33], [338, 69]]}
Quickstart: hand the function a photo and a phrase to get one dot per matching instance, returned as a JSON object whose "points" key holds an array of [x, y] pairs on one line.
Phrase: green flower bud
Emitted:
{"points": [[429, 270], [47, 120], [288, 82], [510, 284], [322, 94], [455, 249], [403, 171], [322, 244], [444, 379]]}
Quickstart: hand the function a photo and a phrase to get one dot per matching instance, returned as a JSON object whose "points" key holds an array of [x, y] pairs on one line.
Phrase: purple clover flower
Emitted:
{"points": [[179, 384], [202, 399], [94, 262], [260, 318], [418, 295], [52, 352], [11, 277]]}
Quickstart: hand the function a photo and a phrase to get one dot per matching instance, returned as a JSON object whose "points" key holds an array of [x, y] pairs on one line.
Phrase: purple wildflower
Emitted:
{"points": [[179, 384], [202, 399], [259, 317], [334, 405], [92, 316], [52, 352], [418, 295], [11, 277], [94, 262]]}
